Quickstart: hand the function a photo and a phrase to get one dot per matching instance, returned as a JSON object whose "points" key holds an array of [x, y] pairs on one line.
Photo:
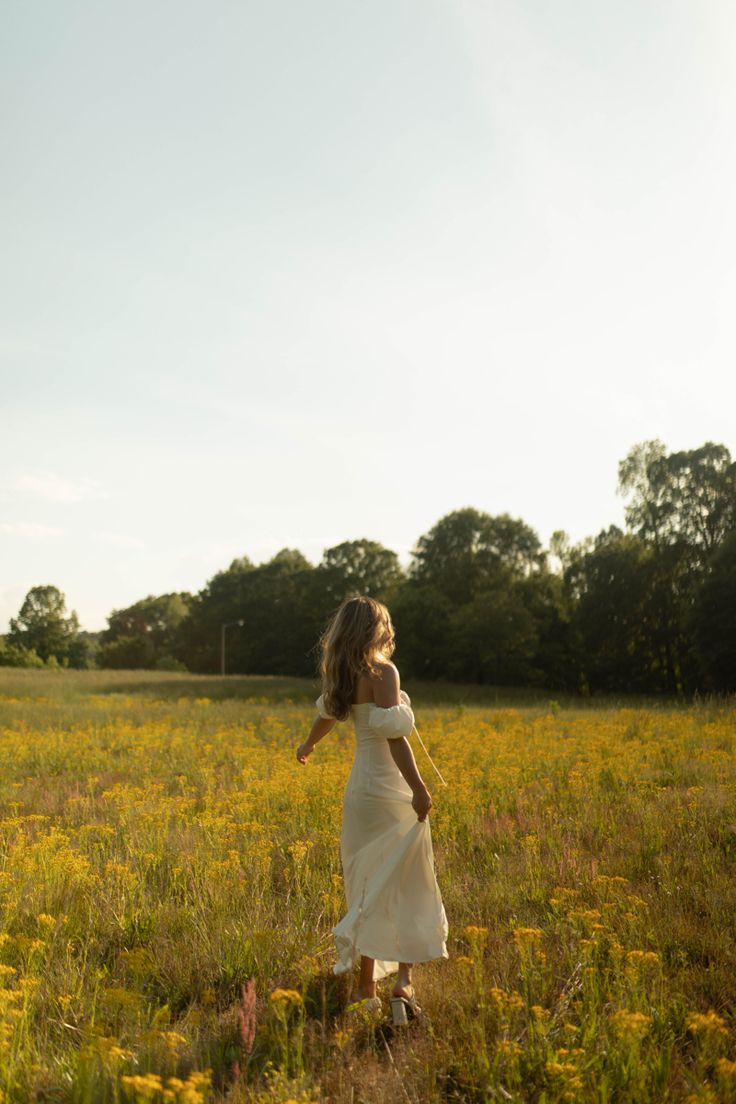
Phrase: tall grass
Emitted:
{"points": [[169, 875]]}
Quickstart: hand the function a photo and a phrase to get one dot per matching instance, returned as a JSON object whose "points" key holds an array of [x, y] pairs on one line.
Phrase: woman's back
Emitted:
{"points": [[374, 769], [364, 691]]}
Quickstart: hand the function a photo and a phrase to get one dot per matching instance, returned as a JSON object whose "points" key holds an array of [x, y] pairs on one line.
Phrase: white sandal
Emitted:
{"points": [[404, 1009]]}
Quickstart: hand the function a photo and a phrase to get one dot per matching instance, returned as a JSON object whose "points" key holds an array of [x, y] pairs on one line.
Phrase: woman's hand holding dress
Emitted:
{"points": [[421, 803]]}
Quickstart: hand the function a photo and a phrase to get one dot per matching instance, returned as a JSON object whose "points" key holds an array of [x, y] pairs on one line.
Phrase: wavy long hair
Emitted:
{"points": [[349, 646]]}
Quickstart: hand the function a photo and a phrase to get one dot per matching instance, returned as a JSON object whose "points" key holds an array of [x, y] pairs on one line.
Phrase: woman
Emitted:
{"points": [[395, 915]]}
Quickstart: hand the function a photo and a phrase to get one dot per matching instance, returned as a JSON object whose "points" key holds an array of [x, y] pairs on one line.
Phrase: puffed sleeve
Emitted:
{"points": [[393, 720], [320, 703]]}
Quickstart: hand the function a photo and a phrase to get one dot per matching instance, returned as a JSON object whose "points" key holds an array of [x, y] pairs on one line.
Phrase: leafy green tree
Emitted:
{"points": [[276, 602], [684, 505], [683, 499], [43, 626], [467, 549], [275, 638], [462, 615], [144, 634], [609, 583], [627, 623], [84, 650], [712, 619], [554, 663], [422, 615], [493, 638], [359, 567], [221, 600]]}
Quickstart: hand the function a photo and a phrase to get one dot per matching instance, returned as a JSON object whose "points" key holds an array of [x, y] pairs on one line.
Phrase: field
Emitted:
{"points": [[169, 876]]}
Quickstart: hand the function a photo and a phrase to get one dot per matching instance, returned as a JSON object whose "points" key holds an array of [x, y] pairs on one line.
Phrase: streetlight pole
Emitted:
{"points": [[227, 625]]}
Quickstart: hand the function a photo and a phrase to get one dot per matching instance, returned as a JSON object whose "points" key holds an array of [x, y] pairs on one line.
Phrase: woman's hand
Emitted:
{"points": [[421, 803], [320, 727], [303, 751]]}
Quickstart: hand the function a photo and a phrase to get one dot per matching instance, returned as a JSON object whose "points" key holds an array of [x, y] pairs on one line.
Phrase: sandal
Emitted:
{"points": [[404, 1009]]}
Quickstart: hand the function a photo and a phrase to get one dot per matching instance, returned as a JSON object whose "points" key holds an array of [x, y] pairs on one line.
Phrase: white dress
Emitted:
{"points": [[395, 911]]}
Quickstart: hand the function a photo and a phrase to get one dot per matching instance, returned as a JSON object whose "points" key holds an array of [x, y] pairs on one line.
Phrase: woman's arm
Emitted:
{"points": [[320, 728], [404, 759], [386, 693]]}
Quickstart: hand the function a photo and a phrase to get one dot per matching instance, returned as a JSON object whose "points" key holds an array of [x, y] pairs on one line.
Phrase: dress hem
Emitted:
{"points": [[390, 963]]}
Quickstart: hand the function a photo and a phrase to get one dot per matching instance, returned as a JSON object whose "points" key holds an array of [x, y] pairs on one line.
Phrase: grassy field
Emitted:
{"points": [[169, 875]]}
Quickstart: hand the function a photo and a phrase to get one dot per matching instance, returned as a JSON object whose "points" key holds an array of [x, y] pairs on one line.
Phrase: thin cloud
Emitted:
{"points": [[54, 488], [120, 540], [29, 529]]}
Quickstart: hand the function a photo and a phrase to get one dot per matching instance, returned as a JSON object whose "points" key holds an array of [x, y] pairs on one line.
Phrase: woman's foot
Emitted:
{"points": [[403, 989], [404, 995]]}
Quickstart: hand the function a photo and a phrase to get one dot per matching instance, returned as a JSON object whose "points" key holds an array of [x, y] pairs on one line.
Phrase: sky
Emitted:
{"points": [[285, 275]]}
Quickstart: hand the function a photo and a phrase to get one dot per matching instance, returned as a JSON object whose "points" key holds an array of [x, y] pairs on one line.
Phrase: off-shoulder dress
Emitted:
{"points": [[394, 906]]}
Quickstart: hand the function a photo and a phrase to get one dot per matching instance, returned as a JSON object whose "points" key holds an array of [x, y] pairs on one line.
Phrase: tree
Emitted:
{"points": [[684, 499], [145, 634], [462, 613], [421, 614], [684, 505], [493, 638], [554, 662], [42, 625], [627, 618], [276, 637], [467, 549], [359, 567], [275, 601], [712, 619]]}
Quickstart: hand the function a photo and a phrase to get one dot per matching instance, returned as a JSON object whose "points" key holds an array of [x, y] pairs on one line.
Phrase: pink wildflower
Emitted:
{"points": [[247, 1015]]}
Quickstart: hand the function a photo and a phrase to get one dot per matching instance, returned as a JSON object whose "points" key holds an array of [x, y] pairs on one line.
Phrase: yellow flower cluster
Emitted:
{"points": [[285, 997], [145, 1087], [506, 1001], [630, 1025], [706, 1023], [527, 937]]}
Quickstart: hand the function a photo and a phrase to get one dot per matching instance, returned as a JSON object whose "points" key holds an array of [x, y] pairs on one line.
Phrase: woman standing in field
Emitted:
{"points": [[395, 914]]}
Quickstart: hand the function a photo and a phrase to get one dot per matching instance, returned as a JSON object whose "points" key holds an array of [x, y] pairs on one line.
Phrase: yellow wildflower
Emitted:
{"points": [[630, 1025], [285, 997], [708, 1023]]}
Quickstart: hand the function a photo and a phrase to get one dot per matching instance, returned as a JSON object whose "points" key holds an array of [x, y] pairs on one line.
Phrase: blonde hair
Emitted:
{"points": [[356, 633]]}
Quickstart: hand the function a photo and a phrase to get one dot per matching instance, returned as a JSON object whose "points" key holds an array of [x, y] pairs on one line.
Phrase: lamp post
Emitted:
{"points": [[227, 625]]}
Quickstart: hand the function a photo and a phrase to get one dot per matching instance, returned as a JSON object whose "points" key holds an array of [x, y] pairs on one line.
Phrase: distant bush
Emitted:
{"points": [[15, 655], [168, 663]]}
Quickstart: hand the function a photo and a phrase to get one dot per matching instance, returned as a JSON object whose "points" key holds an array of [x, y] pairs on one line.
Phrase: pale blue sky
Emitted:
{"points": [[284, 274]]}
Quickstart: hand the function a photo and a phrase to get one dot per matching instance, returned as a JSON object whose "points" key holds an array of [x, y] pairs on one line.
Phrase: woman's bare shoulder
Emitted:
{"points": [[386, 670], [386, 683]]}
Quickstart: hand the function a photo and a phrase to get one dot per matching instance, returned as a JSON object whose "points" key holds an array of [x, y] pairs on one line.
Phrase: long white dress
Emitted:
{"points": [[395, 911]]}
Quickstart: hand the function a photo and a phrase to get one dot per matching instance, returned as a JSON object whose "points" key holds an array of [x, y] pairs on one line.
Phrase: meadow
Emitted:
{"points": [[169, 875]]}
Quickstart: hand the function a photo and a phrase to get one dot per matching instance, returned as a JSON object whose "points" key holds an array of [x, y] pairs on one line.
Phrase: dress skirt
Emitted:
{"points": [[394, 906]]}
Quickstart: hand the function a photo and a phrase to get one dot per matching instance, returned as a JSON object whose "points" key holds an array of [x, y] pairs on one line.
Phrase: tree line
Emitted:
{"points": [[647, 609]]}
